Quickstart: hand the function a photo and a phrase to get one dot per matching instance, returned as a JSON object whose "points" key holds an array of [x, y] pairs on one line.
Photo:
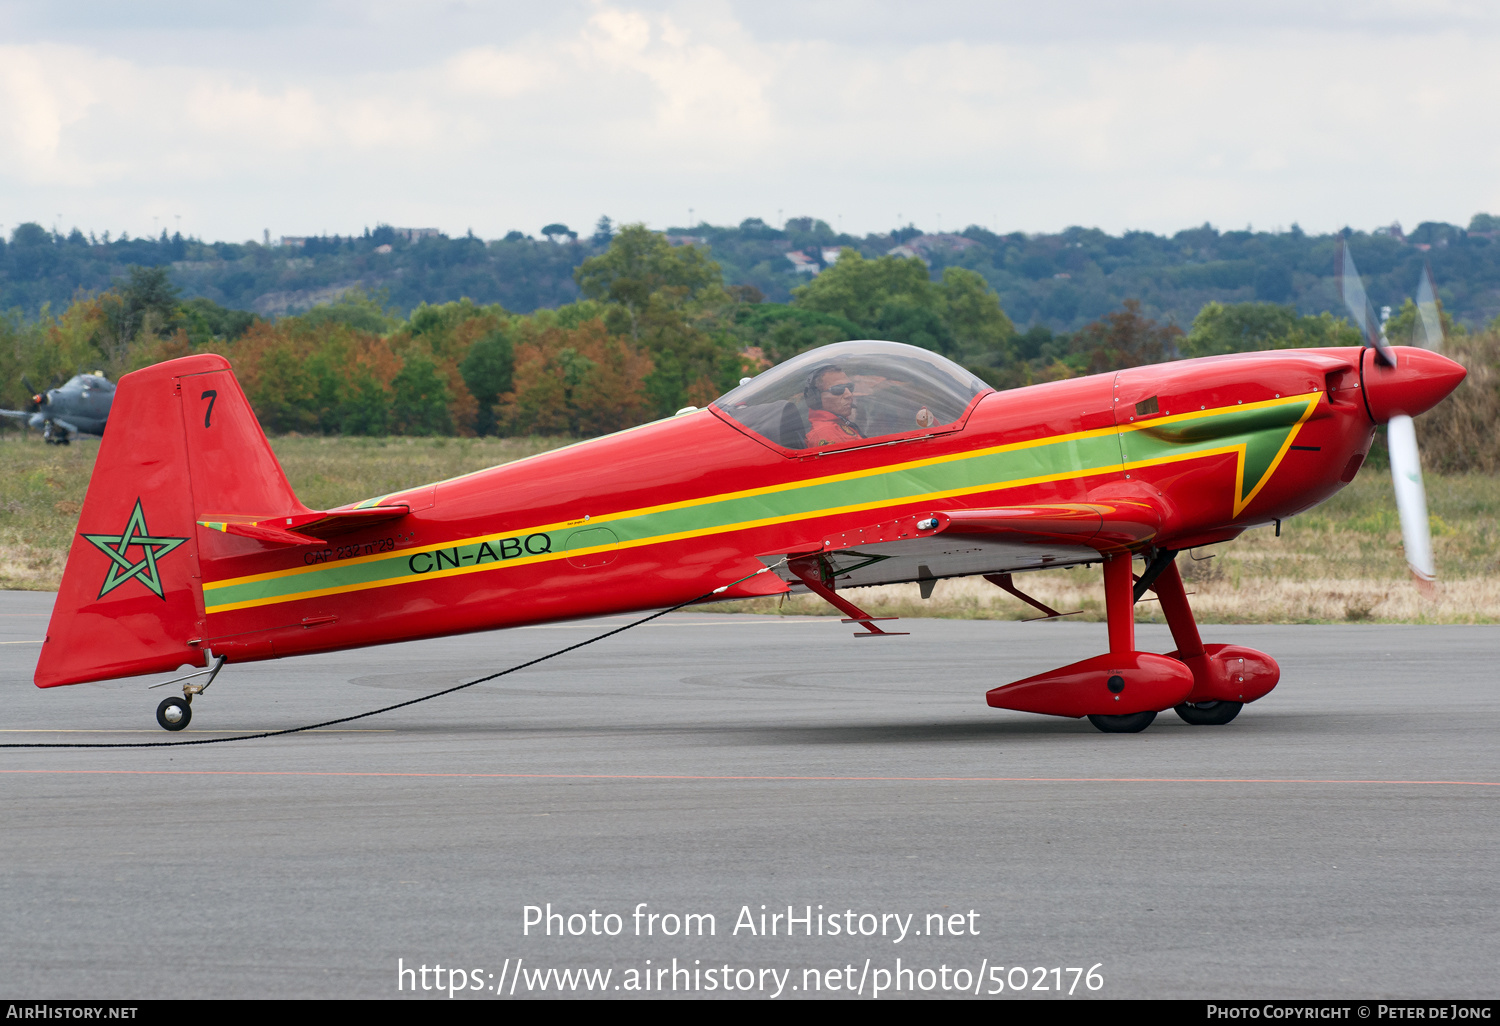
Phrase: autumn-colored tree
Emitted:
{"points": [[576, 380], [1125, 338], [328, 377], [277, 378]]}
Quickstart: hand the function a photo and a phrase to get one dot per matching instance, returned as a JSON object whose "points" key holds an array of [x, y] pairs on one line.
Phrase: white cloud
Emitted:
{"points": [[644, 110], [43, 101]]}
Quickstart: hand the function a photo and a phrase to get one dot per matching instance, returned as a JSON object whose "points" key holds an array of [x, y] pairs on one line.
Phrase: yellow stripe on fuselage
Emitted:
{"points": [[593, 521]]}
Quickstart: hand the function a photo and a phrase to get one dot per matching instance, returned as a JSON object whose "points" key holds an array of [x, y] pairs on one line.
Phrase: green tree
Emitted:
{"points": [[859, 289], [355, 309], [420, 403], [902, 321], [972, 313], [640, 264], [671, 302], [487, 370], [206, 322], [365, 408], [140, 307], [781, 332], [895, 298], [1245, 327]]}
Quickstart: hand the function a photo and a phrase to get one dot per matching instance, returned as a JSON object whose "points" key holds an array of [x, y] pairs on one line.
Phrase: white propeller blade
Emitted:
{"points": [[1411, 498]]}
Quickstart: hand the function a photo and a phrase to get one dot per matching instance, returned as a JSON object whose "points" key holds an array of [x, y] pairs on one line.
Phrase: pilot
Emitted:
{"points": [[830, 407]]}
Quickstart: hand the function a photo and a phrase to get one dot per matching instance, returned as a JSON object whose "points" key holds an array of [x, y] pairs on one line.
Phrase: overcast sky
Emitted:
{"points": [[228, 119]]}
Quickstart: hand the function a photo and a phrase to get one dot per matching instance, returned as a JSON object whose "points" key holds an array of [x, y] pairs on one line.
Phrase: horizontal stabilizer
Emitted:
{"points": [[310, 528]]}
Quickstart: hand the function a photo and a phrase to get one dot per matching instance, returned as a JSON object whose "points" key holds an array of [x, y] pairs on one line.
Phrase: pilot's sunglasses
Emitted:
{"points": [[839, 389]]}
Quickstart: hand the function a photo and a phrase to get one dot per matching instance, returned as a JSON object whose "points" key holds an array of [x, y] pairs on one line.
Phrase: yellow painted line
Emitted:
{"points": [[1309, 398], [748, 493], [660, 539], [1291, 436], [1264, 404], [20, 642]]}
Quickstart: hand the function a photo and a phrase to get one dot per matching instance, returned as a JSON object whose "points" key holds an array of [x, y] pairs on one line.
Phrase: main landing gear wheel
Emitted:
{"points": [[174, 713], [1208, 714], [1130, 723]]}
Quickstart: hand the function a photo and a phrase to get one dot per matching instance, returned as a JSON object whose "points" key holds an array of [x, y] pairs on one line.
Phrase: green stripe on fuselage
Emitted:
{"points": [[1262, 430]]}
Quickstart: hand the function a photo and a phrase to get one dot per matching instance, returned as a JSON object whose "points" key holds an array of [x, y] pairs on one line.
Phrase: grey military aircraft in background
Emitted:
{"points": [[79, 407]]}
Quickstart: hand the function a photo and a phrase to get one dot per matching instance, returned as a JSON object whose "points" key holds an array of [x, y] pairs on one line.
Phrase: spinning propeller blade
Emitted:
{"points": [[1401, 440], [1411, 498], [1353, 291], [1427, 333]]}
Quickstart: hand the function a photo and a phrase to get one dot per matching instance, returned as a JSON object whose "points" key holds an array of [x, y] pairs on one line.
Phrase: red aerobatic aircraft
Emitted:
{"points": [[855, 464]]}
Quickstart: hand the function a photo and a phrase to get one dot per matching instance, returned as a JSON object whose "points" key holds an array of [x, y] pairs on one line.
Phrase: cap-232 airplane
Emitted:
{"points": [[855, 464]]}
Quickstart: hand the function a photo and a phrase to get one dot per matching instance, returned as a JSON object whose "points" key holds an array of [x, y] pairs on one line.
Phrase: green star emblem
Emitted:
{"points": [[121, 568]]}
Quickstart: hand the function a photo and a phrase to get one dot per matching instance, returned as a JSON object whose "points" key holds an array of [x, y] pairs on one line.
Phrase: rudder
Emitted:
{"points": [[182, 441]]}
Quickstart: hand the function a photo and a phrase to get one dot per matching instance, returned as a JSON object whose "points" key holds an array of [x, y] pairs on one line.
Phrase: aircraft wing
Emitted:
{"points": [[962, 542], [310, 528]]}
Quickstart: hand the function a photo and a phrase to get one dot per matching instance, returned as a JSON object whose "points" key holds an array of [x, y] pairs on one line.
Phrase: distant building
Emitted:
{"points": [[802, 262], [924, 246], [294, 241], [414, 234], [686, 240], [1393, 230]]}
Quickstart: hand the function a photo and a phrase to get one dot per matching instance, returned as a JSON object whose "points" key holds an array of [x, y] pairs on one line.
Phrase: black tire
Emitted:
{"points": [[1208, 714], [1130, 723], [174, 713]]}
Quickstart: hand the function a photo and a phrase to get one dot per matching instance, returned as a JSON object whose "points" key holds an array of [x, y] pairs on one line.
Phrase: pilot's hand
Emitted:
{"points": [[925, 419]]}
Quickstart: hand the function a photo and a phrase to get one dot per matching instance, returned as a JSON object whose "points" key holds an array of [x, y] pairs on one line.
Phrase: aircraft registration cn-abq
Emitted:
{"points": [[192, 548]]}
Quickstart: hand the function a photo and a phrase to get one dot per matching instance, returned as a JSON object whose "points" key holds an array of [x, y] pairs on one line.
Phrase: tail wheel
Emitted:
{"points": [[1130, 723], [174, 713], [1208, 714]]}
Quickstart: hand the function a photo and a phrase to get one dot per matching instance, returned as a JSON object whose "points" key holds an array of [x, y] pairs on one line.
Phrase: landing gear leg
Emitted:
{"points": [[176, 713], [1119, 609], [1174, 605]]}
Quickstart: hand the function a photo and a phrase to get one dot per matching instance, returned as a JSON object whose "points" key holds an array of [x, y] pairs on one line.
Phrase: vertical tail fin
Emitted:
{"points": [[182, 440]]}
